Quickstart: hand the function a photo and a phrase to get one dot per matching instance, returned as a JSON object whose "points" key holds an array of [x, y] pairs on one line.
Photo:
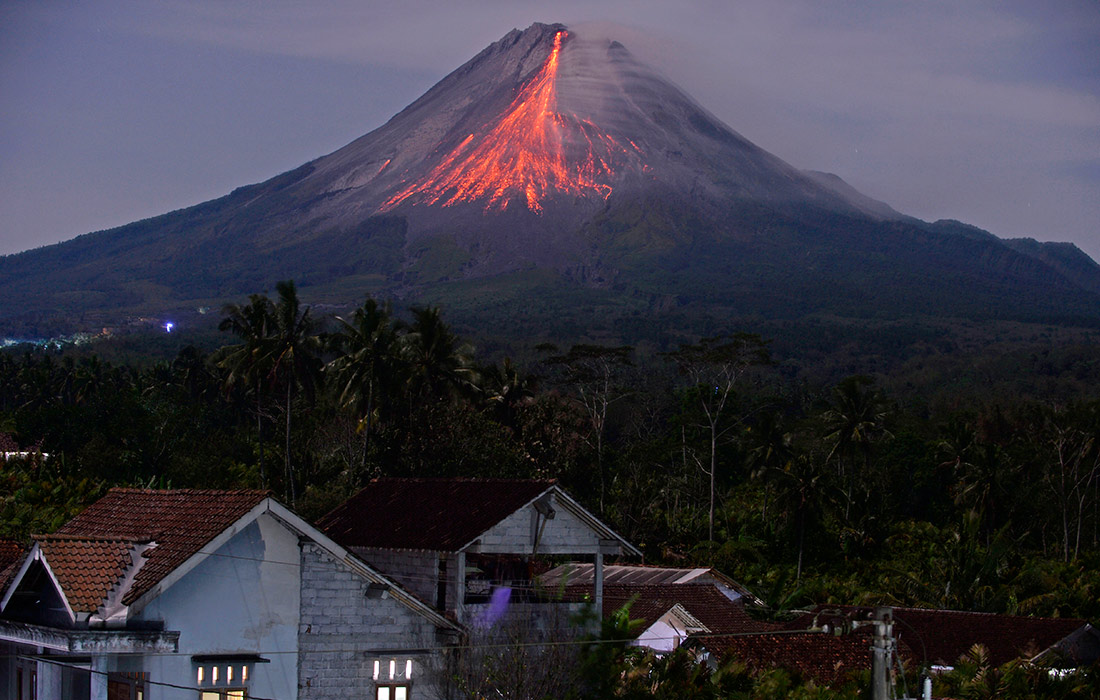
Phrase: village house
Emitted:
{"points": [[667, 604], [215, 595], [474, 547], [938, 638]]}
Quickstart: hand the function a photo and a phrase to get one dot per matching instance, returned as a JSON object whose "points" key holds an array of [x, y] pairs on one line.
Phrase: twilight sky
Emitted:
{"points": [[986, 111]]}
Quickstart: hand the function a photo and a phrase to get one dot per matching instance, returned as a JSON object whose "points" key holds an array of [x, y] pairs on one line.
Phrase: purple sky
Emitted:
{"points": [[983, 111]]}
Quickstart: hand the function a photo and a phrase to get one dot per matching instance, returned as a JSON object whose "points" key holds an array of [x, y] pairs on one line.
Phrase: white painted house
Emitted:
{"points": [[214, 595]]}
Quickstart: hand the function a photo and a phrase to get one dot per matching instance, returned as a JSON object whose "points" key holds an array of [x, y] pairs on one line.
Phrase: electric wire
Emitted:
{"points": [[163, 684]]}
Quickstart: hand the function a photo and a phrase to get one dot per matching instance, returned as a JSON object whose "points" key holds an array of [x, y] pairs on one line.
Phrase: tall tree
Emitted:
{"points": [[854, 422], [713, 367], [438, 362], [368, 367], [248, 364], [593, 372], [295, 359]]}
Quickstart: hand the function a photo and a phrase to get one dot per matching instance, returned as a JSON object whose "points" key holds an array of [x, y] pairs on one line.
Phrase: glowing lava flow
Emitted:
{"points": [[525, 154]]}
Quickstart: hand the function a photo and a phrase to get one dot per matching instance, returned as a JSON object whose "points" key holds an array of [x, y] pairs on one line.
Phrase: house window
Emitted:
{"points": [[126, 686], [222, 694], [392, 678], [224, 678], [391, 692]]}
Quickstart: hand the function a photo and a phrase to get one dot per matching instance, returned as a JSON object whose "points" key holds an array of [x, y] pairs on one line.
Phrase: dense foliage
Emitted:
{"points": [[842, 493]]}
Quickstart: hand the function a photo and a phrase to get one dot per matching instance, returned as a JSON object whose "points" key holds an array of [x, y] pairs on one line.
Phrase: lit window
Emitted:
{"points": [[391, 692]]}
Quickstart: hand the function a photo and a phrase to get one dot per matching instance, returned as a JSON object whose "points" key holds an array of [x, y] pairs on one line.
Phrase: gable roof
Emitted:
{"points": [[825, 658], [430, 514], [945, 635], [702, 601], [143, 540], [180, 523], [85, 569]]}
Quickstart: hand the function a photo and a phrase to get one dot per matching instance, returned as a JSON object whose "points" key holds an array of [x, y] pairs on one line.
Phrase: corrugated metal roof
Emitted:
{"points": [[583, 574]]}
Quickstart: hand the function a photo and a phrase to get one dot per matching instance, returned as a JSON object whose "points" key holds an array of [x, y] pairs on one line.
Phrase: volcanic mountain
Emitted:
{"points": [[552, 176]]}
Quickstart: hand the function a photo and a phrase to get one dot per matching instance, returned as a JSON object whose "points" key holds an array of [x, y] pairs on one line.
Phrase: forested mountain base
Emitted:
{"points": [[845, 492]]}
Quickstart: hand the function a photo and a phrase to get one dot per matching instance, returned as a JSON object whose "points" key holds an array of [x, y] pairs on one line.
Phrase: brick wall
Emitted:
{"points": [[340, 627], [564, 534], [416, 571]]}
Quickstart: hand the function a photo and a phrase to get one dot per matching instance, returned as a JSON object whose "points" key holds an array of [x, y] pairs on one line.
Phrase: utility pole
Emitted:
{"points": [[882, 650]]}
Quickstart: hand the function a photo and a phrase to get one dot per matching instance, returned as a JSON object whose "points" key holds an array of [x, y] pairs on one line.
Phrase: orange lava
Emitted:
{"points": [[524, 155]]}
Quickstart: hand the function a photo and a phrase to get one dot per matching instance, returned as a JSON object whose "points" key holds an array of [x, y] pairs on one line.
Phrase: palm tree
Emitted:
{"points": [[854, 423], [295, 359], [438, 363], [368, 366], [248, 364]]}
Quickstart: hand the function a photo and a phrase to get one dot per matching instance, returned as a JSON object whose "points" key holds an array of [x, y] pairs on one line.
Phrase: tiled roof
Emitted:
{"points": [[430, 514], [11, 558], [86, 569], [825, 658], [702, 600], [180, 522], [945, 635]]}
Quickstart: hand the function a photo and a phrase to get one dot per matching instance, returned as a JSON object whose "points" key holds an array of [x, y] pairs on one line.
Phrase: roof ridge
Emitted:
{"points": [[131, 489], [88, 538], [464, 479]]}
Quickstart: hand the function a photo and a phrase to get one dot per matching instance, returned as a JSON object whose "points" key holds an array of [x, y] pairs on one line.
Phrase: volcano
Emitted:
{"points": [[553, 176]]}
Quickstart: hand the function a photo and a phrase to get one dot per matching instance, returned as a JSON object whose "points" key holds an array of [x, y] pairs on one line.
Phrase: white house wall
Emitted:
{"points": [[564, 534], [345, 628], [242, 600]]}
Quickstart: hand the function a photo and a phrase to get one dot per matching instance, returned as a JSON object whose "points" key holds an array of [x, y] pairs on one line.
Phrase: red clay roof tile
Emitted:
{"points": [[825, 658], [429, 514], [86, 569], [180, 521], [945, 635]]}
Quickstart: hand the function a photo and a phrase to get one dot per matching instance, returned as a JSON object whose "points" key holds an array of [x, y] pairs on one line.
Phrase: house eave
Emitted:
{"points": [[90, 641]]}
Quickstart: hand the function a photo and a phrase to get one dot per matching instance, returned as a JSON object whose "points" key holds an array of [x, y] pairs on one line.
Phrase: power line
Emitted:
{"points": [[420, 650], [55, 662]]}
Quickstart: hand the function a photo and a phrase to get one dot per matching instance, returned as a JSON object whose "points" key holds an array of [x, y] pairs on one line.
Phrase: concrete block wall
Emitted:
{"points": [[341, 631], [564, 534], [416, 571]]}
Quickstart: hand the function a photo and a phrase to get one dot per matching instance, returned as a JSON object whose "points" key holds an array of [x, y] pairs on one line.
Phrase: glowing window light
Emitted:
{"points": [[408, 669], [376, 664], [393, 668], [213, 674], [200, 675], [228, 674], [244, 673]]}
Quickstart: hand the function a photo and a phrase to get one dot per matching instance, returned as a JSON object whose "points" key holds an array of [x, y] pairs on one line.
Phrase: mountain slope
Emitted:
{"points": [[553, 164]]}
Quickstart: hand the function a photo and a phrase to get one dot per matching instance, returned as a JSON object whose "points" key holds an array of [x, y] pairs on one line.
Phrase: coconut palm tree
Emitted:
{"points": [[248, 363], [295, 356], [439, 364], [369, 367]]}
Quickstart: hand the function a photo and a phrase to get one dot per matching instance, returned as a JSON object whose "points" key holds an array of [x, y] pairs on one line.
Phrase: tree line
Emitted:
{"points": [[705, 455]]}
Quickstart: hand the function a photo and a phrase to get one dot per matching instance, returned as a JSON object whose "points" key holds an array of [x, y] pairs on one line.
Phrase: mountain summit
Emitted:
{"points": [[553, 170]]}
